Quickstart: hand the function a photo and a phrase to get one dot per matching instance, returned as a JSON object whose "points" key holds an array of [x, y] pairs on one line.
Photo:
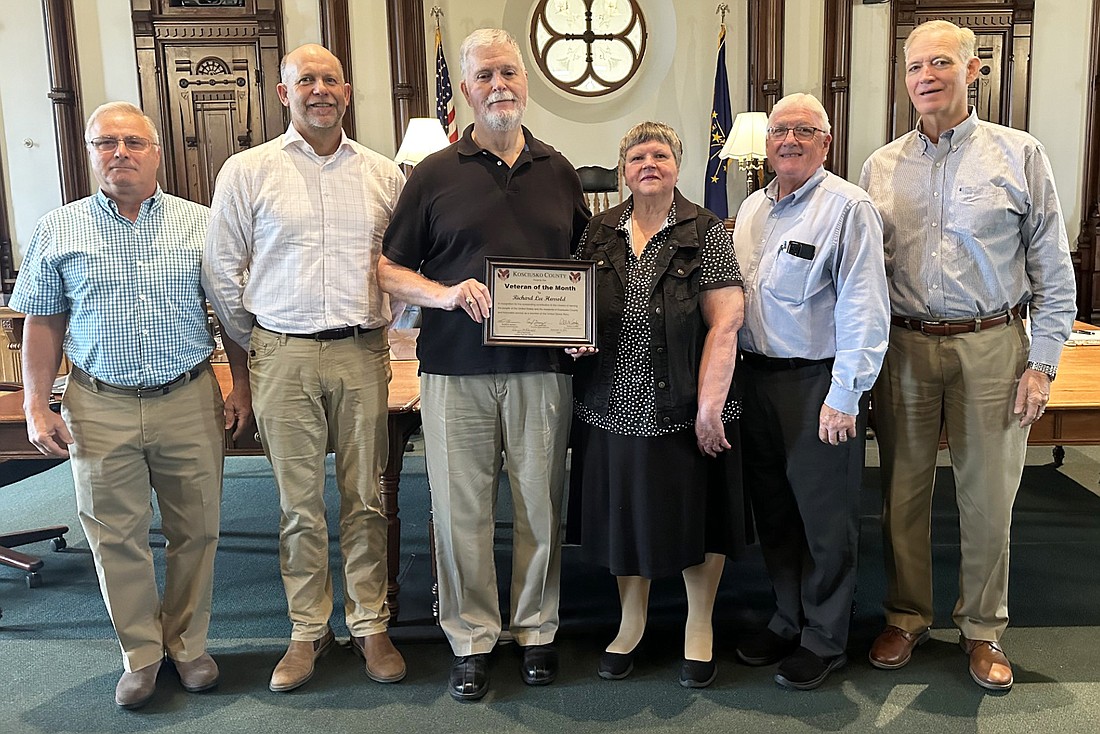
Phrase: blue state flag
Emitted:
{"points": [[721, 120]]}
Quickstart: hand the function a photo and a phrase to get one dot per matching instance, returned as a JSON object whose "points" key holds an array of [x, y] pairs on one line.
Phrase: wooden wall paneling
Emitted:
{"points": [[765, 54], [1087, 258], [837, 79], [68, 114], [336, 37], [408, 65]]}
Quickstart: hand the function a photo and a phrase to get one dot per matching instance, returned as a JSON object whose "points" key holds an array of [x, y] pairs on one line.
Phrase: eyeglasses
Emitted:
{"points": [[133, 143], [802, 132]]}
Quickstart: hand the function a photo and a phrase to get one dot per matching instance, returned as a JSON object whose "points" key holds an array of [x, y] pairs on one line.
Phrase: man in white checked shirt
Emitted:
{"points": [[974, 237], [295, 234], [120, 269]]}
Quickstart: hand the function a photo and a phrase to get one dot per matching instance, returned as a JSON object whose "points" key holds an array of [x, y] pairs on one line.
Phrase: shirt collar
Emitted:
{"points": [[467, 146], [956, 135], [109, 205], [293, 137], [772, 189]]}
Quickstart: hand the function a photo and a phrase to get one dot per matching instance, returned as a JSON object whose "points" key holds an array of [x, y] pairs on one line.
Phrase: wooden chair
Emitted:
{"points": [[597, 180], [13, 472]]}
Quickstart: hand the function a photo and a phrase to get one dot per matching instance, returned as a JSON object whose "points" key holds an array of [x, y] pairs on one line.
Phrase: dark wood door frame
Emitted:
{"points": [[1086, 260], [68, 115]]}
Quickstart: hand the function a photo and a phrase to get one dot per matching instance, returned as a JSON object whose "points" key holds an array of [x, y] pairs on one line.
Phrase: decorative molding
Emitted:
{"points": [[408, 64], [836, 80], [68, 116], [336, 37], [7, 252], [765, 54]]}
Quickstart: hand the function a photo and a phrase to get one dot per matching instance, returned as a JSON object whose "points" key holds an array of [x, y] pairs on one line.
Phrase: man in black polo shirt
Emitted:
{"points": [[497, 192]]}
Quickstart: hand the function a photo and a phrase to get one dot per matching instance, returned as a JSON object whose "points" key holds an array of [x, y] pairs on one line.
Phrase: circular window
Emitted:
{"points": [[588, 47]]}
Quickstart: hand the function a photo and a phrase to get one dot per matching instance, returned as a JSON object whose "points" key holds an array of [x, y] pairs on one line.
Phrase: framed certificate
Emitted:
{"points": [[540, 303]]}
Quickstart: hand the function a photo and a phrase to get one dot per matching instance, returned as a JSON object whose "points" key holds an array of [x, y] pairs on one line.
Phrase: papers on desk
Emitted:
{"points": [[59, 385], [1083, 337]]}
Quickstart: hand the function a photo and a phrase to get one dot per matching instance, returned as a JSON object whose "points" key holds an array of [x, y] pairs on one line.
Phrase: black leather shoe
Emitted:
{"points": [[470, 677], [765, 648], [804, 670], [540, 665], [698, 674], [616, 665]]}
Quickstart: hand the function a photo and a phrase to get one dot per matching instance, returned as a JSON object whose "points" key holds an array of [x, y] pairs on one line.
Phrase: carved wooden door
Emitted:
{"points": [[214, 111]]}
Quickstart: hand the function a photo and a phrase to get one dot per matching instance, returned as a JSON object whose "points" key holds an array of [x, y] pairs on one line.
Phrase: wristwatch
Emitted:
{"points": [[1047, 369]]}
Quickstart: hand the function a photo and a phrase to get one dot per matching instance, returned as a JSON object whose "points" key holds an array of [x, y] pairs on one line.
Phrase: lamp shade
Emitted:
{"points": [[423, 137], [747, 140]]}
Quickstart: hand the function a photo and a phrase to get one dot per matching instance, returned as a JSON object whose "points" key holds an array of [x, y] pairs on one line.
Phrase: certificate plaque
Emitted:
{"points": [[540, 303]]}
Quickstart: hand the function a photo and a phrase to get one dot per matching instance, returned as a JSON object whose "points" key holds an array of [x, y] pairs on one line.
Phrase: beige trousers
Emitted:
{"points": [[967, 383], [468, 421], [123, 446], [311, 397]]}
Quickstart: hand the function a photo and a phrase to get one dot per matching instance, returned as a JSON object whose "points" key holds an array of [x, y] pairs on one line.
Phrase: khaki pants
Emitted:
{"points": [[311, 397], [468, 421], [968, 383], [123, 445]]}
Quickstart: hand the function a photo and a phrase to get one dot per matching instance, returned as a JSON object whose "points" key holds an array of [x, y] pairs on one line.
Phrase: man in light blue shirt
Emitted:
{"points": [[142, 409], [816, 323]]}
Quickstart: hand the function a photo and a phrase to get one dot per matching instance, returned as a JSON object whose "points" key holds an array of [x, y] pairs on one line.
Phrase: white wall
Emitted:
{"points": [[27, 145]]}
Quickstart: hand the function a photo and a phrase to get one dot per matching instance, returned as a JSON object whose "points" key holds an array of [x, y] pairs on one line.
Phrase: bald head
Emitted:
{"points": [[314, 90], [315, 51]]}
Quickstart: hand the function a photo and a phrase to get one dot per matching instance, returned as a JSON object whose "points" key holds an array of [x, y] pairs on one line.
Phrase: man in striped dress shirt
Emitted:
{"points": [[295, 234], [974, 239], [120, 269]]}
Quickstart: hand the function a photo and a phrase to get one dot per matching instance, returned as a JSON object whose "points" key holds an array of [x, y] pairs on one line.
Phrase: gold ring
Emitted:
{"points": [[469, 300]]}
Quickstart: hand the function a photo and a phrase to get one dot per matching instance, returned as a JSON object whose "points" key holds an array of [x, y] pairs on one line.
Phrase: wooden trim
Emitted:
{"points": [[336, 37], [68, 115], [408, 64], [836, 80], [1087, 259], [7, 252], [765, 54]]}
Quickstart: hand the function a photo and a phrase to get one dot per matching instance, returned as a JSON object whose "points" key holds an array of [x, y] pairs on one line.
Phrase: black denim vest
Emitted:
{"points": [[675, 319]]}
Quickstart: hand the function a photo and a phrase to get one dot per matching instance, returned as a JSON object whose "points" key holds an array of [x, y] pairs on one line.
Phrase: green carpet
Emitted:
{"points": [[59, 662]]}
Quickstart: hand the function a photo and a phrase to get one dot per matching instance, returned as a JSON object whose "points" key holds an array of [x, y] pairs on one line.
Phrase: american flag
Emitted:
{"points": [[444, 106]]}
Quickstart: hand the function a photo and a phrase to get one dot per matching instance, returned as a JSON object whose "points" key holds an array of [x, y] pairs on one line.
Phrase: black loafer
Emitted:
{"points": [[698, 674], [765, 648], [470, 677], [616, 665], [804, 670], [540, 665]]}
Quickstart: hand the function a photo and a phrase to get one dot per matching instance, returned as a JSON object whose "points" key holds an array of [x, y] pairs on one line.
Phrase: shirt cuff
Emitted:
{"points": [[844, 400], [1046, 350]]}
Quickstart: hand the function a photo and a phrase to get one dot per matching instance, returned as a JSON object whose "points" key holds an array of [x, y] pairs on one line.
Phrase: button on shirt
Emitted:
{"points": [[294, 237], [973, 228], [137, 314], [826, 302]]}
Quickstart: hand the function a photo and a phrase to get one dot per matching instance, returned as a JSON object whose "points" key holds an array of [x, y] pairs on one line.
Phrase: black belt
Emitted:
{"points": [[93, 383], [777, 364], [328, 335], [951, 328]]}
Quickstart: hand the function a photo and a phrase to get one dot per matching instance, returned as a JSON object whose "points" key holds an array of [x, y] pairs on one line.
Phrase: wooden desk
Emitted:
{"points": [[1072, 416], [404, 419]]}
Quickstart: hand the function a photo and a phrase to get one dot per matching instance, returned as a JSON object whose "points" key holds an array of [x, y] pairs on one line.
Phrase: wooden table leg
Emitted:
{"points": [[401, 427]]}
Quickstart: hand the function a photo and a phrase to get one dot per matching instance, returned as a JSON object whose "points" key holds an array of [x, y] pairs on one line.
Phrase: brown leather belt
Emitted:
{"points": [[951, 328], [93, 383]]}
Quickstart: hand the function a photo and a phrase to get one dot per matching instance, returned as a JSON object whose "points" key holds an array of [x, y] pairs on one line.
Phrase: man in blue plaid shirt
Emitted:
{"points": [[113, 279]]}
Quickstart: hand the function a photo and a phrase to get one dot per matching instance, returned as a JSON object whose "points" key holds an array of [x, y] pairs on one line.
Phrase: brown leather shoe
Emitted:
{"points": [[296, 667], [381, 659], [135, 688], [200, 674], [989, 667], [893, 647]]}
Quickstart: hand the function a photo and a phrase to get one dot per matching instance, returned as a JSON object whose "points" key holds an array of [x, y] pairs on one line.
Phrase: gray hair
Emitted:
{"points": [[645, 132], [965, 42], [805, 101], [483, 38], [120, 108]]}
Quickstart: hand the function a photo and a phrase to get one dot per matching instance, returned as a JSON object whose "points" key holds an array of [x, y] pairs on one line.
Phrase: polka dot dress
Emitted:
{"points": [[632, 405]]}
